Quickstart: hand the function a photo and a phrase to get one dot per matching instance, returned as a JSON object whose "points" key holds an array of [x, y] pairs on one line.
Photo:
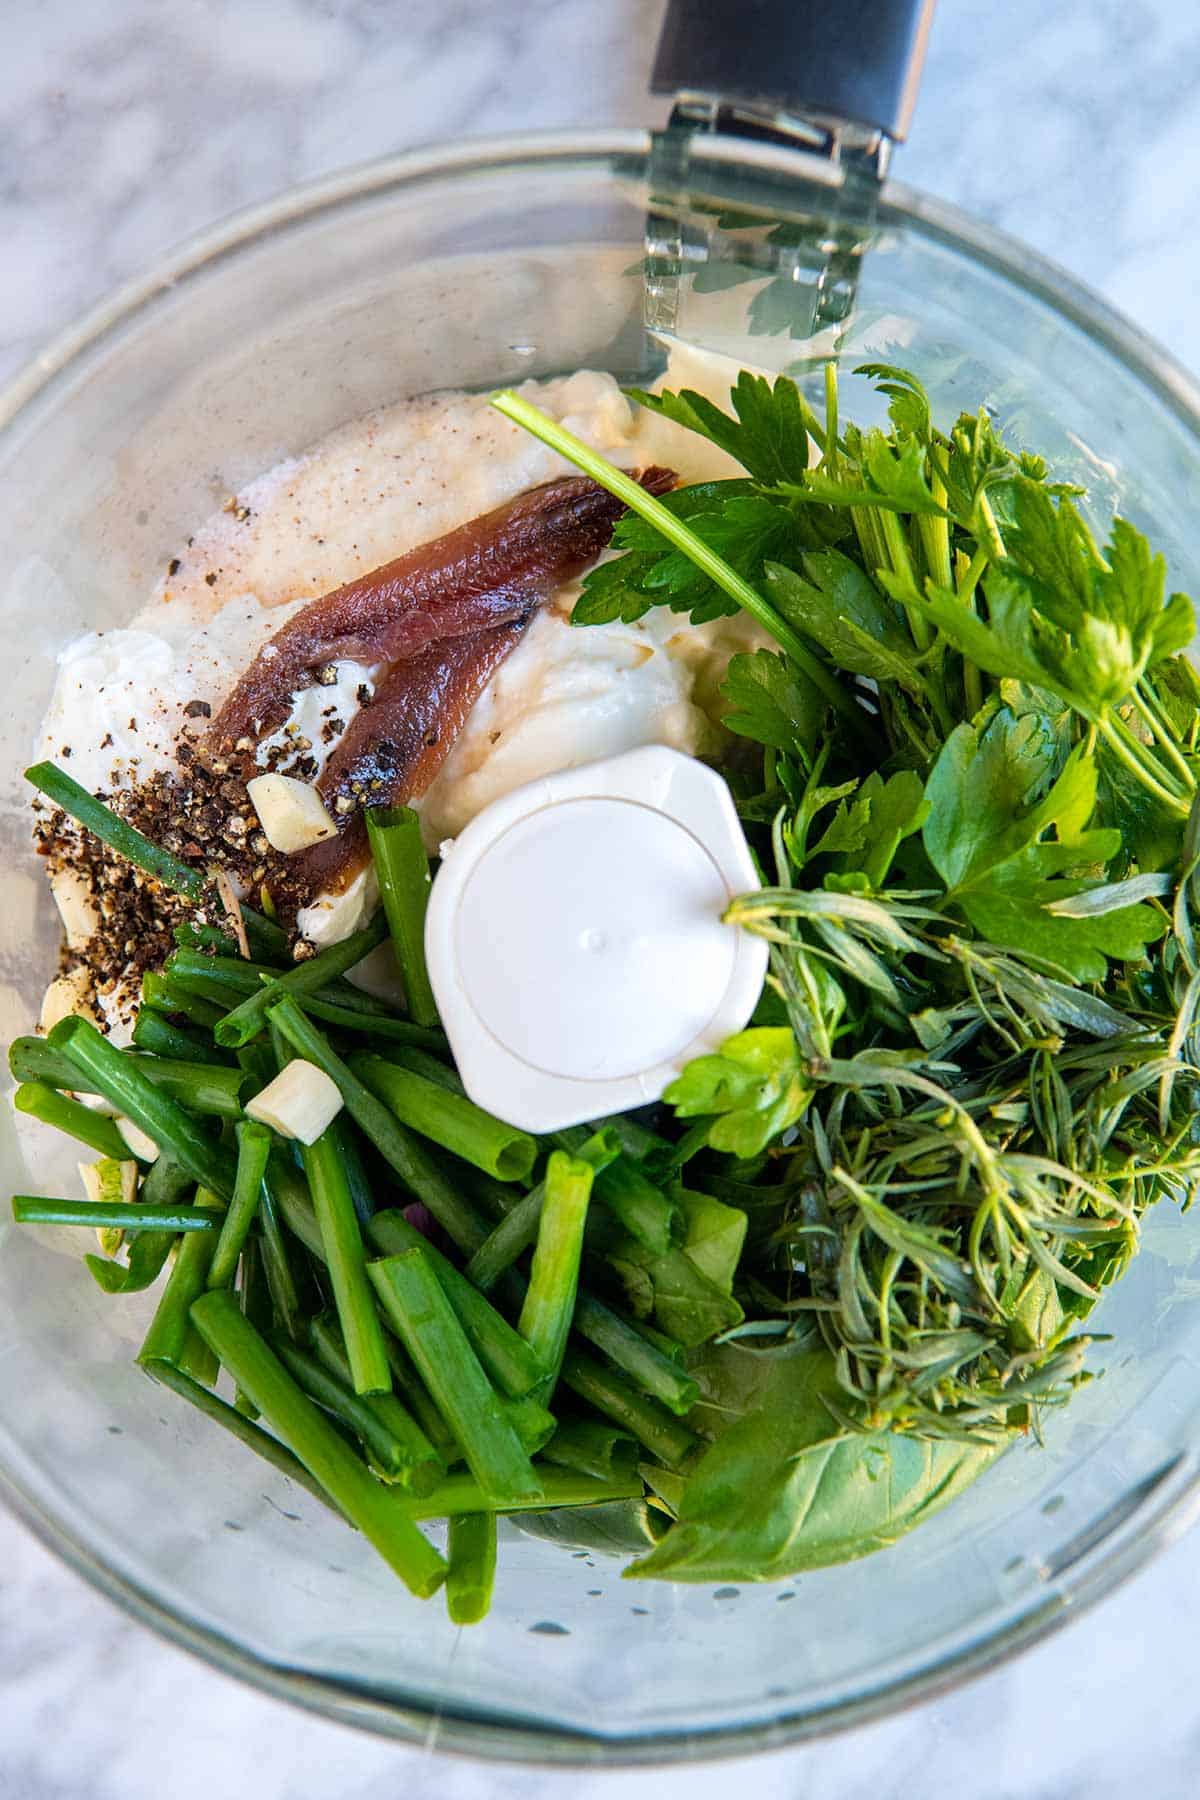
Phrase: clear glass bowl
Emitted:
{"points": [[466, 268]]}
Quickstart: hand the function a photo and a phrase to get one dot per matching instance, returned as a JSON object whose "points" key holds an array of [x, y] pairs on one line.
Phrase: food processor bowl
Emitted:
{"points": [[471, 268]]}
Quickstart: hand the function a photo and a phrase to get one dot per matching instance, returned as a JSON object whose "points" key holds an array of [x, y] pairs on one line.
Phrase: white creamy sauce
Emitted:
{"points": [[374, 490]]}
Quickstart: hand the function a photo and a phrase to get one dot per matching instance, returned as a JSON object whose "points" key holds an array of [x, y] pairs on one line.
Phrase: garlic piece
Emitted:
{"points": [[299, 1103], [291, 813]]}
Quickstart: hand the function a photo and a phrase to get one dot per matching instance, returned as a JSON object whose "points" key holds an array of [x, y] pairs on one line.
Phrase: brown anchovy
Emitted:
{"points": [[442, 619], [494, 569], [394, 747]]}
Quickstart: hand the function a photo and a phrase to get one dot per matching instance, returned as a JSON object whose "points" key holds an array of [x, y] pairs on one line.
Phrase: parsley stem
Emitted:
{"points": [[1119, 746], [831, 419], [1160, 729], [900, 560], [624, 488]]}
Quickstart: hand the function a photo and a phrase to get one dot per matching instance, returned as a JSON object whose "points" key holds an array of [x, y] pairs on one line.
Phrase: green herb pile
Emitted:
{"points": [[794, 1310], [975, 1065]]}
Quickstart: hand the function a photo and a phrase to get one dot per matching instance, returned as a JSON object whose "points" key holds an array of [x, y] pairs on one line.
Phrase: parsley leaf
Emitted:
{"points": [[769, 436], [989, 845], [771, 701], [839, 607], [754, 1085]]}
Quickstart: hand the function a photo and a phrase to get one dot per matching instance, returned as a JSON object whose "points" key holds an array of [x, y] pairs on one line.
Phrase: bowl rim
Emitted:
{"points": [[461, 1732]]}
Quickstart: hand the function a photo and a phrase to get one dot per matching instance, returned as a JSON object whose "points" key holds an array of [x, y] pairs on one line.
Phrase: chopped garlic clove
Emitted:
{"points": [[299, 1103], [291, 813], [140, 1143], [76, 908], [67, 996]]}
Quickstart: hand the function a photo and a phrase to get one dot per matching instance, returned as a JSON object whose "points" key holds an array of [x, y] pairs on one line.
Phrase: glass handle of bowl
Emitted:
{"points": [[831, 84]]}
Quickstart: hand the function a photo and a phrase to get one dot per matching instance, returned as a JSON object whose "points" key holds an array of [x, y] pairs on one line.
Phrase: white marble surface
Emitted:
{"points": [[124, 126]]}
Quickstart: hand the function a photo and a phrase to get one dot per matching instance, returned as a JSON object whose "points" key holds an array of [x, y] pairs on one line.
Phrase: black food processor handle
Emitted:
{"points": [[829, 63]]}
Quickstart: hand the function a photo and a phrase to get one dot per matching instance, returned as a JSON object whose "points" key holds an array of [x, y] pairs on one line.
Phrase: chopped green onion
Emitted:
{"points": [[508, 1359], [167, 1336], [391, 1454], [78, 1121], [554, 1276], [347, 1264], [195, 1085], [648, 1367], [471, 1547], [362, 1193], [418, 1310], [652, 1425], [277, 1267], [249, 1018], [105, 1215], [431, 1067], [448, 1119], [533, 1424], [461, 1493], [507, 1241], [394, 833], [254, 1146], [129, 1088], [399, 1147], [593, 1448], [416, 1462], [373, 1508], [153, 1033], [167, 996]]}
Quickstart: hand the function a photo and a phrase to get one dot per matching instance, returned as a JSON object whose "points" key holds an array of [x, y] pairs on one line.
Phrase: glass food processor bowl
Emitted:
{"points": [[470, 268]]}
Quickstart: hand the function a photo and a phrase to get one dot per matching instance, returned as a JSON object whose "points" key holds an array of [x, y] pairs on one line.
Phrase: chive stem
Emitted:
{"points": [[372, 1507], [418, 1310], [549, 1304], [248, 1019], [346, 1260], [471, 1547], [451, 1121], [394, 834], [118, 1076], [399, 1147], [84, 1123], [253, 1149]]}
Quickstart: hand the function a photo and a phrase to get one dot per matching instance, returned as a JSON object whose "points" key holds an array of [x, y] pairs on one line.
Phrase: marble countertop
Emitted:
{"points": [[125, 127]]}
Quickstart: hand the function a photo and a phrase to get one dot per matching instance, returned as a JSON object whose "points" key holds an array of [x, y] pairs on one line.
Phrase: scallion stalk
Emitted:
{"points": [[249, 1018], [509, 1360], [347, 1265], [549, 1304], [253, 1149], [652, 1425], [84, 1123], [471, 1547], [416, 1168], [166, 1338], [394, 834], [102, 1215], [451, 1121], [418, 1310], [347, 1481]]}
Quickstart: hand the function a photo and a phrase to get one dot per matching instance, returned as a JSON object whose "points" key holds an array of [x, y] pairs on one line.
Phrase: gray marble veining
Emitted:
{"points": [[125, 127]]}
